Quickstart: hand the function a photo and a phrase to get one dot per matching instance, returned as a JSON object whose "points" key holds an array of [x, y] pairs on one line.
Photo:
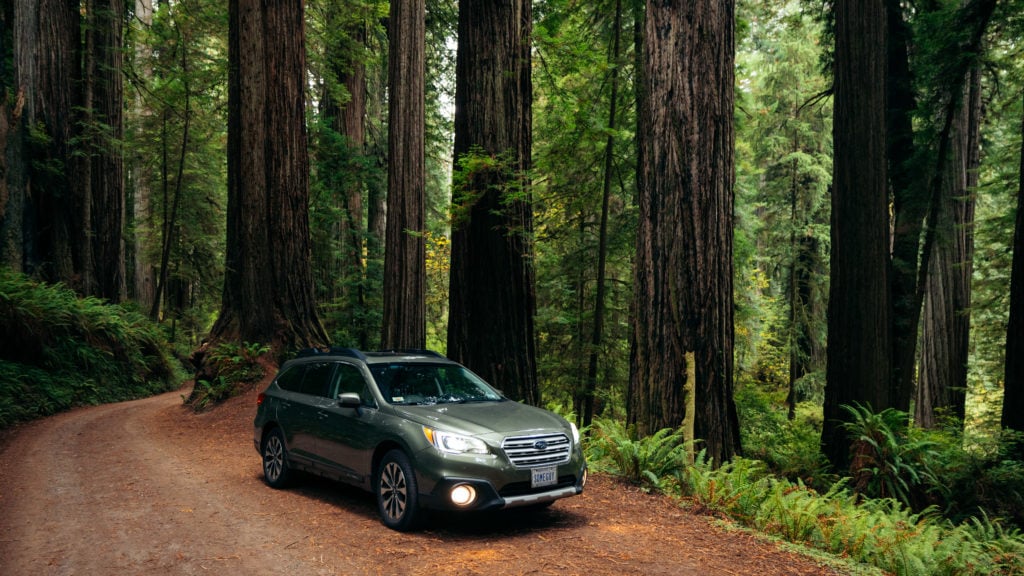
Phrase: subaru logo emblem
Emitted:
{"points": [[540, 445]]}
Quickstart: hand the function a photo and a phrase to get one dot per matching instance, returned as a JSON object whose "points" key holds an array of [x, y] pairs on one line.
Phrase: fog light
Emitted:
{"points": [[463, 495]]}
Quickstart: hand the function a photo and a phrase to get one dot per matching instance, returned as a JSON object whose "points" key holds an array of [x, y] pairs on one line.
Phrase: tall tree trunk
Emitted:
{"points": [[859, 328], [106, 25], [353, 230], [268, 285], [492, 294], [12, 165], [1013, 384], [45, 223], [141, 271], [910, 204], [913, 202], [683, 289], [945, 326], [602, 241], [405, 269]]}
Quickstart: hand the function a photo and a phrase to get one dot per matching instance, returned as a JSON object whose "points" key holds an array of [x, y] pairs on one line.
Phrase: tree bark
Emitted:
{"points": [[859, 327], [405, 268], [268, 287], [1013, 384], [683, 307], [141, 271], [945, 323], [46, 222], [106, 18], [910, 205], [492, 295]]}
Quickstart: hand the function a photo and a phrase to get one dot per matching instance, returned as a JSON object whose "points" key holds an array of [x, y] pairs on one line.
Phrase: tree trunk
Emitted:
{"points": [[1013, 386], [45, 223], [106, 18], [142, 273], [945, 326], [859, 328], [268, 287], [683, 325], [12, 187], [492, 293], [492, 297], [405, 270], [910, 204]]}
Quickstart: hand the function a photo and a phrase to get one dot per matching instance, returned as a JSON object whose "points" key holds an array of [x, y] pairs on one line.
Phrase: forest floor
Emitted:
{"points": [[148, 487]]}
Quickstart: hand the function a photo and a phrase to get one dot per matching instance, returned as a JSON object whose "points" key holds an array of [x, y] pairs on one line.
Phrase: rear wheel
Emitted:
{"points": [[397, 496], [275, 460]]}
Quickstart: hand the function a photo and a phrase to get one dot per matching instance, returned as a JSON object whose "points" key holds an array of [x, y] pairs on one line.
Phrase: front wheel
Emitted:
{"points": [[397, 498], [275, 460]]}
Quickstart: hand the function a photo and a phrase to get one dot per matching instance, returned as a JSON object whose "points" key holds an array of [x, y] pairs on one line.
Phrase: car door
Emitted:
{"points": [[298, 414], [349, 435]]}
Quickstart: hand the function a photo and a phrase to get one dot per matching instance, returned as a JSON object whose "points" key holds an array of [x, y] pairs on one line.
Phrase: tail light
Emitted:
{"points": [[260, 399]]}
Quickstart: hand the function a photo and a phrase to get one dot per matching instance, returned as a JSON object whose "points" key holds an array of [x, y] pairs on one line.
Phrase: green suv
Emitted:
{"points": [[416, 429]]}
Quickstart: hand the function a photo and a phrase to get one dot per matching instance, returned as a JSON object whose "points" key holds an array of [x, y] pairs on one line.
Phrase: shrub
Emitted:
{"points": [[63, 351], [232, 366], [615, 449], [890, 460]]}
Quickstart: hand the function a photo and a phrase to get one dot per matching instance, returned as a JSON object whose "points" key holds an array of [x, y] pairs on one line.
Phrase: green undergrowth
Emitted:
{"points": [[232, 368], [60, 351], [884, 533]]}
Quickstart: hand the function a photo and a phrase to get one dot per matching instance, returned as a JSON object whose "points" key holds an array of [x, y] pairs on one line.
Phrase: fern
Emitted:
{"points": [[889, 461], [647, 461], [64, 351]]}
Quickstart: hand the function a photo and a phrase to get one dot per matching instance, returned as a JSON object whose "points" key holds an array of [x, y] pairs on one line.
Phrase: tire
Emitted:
{"points": [[397, 496], [276, 472]]}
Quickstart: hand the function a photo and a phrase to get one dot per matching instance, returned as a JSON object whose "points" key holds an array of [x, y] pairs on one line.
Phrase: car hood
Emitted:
{"points": [[485, 418]]}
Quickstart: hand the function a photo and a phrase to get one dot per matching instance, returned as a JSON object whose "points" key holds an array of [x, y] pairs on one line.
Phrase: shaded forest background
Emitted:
{"points": [[806, 260]]}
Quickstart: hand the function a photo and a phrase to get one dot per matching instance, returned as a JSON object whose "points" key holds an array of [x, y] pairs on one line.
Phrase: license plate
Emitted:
{"points": [[540, 477]]}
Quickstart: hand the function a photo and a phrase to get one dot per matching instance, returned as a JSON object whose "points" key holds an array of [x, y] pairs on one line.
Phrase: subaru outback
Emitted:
{"points": [[418, 430]]}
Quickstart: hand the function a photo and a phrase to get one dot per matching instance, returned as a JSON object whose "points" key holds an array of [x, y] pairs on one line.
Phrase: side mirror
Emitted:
{"points": [[349, 400]]}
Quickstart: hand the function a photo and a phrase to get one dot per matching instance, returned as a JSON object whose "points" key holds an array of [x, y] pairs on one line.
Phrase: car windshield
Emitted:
{"points": [[403, 383]]}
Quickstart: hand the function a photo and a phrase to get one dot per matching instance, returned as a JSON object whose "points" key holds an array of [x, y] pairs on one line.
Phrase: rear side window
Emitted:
{"points": [[318, 376], [291, 379], [309, 379]]}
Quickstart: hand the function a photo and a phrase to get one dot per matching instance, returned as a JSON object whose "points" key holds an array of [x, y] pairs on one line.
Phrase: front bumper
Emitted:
{"points": [[496, 494]]}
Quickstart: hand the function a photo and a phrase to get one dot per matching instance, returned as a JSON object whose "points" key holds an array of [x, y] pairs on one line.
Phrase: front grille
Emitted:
{"points": [[539, 450]]}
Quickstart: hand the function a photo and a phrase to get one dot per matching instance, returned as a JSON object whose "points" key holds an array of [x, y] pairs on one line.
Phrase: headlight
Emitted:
{"points": [[454, 443], [575, 434]]}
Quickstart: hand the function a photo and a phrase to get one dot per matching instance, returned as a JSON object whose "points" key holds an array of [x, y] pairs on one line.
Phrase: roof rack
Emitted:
{"points": [[416, 351], [333, 350]]}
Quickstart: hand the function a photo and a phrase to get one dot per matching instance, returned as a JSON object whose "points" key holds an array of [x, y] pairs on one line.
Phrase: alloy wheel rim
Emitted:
{"points": [[273, 460], [393, 490]]}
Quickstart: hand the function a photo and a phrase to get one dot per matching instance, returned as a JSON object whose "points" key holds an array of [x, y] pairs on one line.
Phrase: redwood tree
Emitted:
{"points": [[492, 298], [683, 325], [268, 288], [43, 216], [405, 324], [107, 192], [946, 318], [1013, 398], [859, 328]]}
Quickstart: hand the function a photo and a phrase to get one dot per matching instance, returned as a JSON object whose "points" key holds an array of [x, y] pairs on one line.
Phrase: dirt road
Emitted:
{"points": [[146, 487]]}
